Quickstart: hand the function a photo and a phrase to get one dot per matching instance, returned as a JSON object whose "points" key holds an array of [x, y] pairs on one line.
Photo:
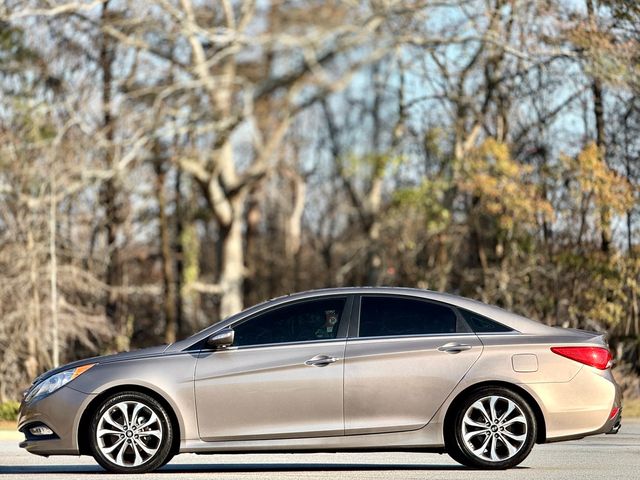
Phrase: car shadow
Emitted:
{"points": [[237, 468]]}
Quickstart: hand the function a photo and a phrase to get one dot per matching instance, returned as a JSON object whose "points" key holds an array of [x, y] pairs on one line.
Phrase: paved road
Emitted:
{"points": [[610, 457]]}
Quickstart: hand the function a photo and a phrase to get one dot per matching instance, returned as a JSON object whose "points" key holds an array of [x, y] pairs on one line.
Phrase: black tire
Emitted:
{"points": [[167, 460], [160, 457], [460, 450]]}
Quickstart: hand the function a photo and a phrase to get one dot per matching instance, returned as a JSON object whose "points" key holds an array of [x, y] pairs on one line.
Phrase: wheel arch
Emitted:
{"points": [[87, 414], [541, 434]]}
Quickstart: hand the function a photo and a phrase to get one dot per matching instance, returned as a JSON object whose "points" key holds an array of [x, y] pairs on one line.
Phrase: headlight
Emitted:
{"points": [[54, 382]]}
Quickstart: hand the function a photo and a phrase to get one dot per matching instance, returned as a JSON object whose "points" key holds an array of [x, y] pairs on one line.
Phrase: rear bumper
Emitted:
{"points": [[616, 424], [580, 407], [60, 412]]}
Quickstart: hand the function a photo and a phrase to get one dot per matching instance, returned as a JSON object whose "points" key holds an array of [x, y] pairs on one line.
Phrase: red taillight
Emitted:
{"points": [[614, 412], [598, 357]]}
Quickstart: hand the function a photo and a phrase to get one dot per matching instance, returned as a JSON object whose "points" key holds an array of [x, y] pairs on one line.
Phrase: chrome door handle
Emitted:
{"points": [[454, 347], [320, 361]]}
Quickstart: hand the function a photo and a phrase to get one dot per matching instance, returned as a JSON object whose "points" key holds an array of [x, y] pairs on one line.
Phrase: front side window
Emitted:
{"points": [[301, 322], [389, 316]]}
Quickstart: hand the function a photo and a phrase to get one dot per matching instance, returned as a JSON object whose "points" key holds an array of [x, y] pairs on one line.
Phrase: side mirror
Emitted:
{"points": [[221, 339]]}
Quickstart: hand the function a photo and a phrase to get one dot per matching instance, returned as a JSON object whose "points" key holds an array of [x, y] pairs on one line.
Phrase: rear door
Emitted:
{"points": [[407, 356]]}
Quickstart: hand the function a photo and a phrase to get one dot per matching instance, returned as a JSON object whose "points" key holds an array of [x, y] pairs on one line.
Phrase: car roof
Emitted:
{"points": [[510, 319]]}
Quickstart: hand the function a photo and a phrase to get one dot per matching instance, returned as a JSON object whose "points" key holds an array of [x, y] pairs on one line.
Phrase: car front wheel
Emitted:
{"points": [[131, 433], [493, 428]]}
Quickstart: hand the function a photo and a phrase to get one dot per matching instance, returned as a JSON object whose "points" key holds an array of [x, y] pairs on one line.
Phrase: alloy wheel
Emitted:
{"points": [[494, 428], [129, 434]]}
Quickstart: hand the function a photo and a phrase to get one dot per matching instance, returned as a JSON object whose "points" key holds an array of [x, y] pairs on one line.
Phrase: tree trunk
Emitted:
{"points": [[374, 260], [168, 276], [109, 191], [232, 269], [253, 217], [31, 363], [605, 211], [294, 227], [293, 238], [53, 272], [598, 111], [178, 260]]}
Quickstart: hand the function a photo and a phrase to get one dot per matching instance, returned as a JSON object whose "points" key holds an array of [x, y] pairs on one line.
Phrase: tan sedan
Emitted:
{"points": [[334, 370]]}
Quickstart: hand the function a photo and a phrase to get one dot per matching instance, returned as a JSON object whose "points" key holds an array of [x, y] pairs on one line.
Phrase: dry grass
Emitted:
{"points": [[7, 425], [8, 431], [631, 408]]}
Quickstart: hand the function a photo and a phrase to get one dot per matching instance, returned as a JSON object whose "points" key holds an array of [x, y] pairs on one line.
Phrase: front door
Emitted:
{"points": [[283, 377]]}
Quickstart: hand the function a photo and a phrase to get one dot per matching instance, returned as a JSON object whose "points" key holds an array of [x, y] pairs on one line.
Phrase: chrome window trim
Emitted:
{"points": [[494, 334], [411, 337], [274, 345]]}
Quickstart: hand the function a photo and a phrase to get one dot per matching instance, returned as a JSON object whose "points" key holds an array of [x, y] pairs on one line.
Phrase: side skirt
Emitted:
{"points": [[426, 439]]}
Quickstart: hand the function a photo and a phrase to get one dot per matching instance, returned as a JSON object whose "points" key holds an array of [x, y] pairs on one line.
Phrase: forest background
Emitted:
{"points": [[165, 163]]}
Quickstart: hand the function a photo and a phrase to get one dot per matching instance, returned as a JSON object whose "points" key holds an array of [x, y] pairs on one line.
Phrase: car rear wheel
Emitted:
{"points": [[131, 433], [492, 428]]}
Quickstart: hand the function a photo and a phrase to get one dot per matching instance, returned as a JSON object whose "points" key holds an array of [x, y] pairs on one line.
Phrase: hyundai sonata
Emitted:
{"points": [[334, 370]]}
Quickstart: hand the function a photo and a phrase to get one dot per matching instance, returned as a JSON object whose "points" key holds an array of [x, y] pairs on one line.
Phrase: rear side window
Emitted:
{"points": [[480, 324], [392, 316]]}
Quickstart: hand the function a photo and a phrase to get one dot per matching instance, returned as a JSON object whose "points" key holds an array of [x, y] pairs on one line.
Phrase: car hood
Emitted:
{"points": [[117, 357]]}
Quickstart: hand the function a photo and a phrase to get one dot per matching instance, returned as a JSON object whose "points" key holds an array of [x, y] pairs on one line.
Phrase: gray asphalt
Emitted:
{"points": [[603, 456]]}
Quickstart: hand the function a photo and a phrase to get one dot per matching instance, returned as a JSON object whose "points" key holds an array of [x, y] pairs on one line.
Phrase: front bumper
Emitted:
{"points": [[61, 412]]}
